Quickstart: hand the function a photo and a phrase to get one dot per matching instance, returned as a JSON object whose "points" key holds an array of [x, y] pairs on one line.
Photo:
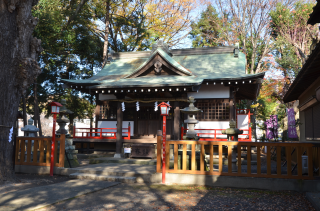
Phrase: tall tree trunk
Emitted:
{"points": [[37, 115], [39, 125], [71, 119], [35, 106], [18, 69], [24, 110], [106, 35], [24, 107]]}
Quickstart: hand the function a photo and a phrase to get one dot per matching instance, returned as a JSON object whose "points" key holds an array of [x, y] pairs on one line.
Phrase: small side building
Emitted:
{"points": [[306, 89]]}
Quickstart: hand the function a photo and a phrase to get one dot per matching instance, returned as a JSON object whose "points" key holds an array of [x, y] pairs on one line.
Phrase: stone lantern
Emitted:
{"points": [[71, 152], [30, 130], [191, 121], [63, 120], [233, 131]]}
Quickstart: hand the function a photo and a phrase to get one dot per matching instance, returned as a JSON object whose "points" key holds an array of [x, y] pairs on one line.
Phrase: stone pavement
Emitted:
{"points": [[314, 198], [175, 197], [38, 197], [100, 195]]}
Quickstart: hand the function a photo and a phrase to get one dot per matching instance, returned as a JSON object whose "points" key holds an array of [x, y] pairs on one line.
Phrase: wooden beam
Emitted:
{"points": [[176, 121], [119, 128]]}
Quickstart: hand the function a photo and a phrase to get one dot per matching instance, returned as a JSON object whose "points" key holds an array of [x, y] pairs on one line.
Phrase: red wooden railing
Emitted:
{"points": [[216, 132], [98, 133]]}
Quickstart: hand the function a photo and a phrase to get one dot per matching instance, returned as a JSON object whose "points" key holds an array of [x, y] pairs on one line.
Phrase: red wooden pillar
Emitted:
{"points": [[182, 133], [249, 124], [164, 149], [53, 143]]}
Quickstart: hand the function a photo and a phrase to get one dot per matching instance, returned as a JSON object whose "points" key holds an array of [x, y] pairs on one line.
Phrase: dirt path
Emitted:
{"points": [[167, 197]]}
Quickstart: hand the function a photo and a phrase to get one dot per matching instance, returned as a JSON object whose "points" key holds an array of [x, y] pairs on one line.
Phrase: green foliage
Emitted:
{"points": [[208, 31], [268, 103], [292, 36], [70, 51]]}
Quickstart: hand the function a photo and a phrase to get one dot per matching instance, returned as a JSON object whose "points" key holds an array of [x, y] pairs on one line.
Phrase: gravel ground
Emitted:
{"points": [[176, 197], [167, 197], [26, 181]]}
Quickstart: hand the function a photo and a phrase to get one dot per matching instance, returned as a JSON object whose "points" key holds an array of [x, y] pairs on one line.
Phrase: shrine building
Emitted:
{"points": [[215, 76]]}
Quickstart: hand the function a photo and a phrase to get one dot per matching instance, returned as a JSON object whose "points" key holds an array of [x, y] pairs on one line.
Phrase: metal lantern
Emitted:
{"points": [[164, 109], [55, 107]]}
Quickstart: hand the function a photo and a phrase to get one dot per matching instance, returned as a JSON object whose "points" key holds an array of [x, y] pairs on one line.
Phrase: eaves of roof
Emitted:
{"points": [[315, 15], [309, 73]]}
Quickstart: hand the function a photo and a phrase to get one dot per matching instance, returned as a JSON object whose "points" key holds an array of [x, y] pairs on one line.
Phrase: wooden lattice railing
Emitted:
{"points": [[36, 151], [215, 158]]}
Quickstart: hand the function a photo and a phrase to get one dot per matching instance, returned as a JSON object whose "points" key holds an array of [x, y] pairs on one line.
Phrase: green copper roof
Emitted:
{"points": [[198, 64], [166, 57]]}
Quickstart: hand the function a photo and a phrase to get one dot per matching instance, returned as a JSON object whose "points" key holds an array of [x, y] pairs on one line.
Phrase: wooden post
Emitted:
{"points": [[62, 150], [220, 159], [249, 122], [211, 158], [239, 158], [119, 130], [74, 130], [175, 154], [129, 129], [310, 163], [164, 145], [176, 120], [159, 146], [182, 133]]}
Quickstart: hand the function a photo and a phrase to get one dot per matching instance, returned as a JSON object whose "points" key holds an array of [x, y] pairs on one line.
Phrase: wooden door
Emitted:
{"points": [[150, 121]]}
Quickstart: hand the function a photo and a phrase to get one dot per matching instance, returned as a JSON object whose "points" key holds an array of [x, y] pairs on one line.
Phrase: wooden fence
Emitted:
{"points": [[36, 151], [215, 158]]}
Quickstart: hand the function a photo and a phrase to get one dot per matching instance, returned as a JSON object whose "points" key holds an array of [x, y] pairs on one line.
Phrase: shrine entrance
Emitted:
{"points": [[149, 121]]}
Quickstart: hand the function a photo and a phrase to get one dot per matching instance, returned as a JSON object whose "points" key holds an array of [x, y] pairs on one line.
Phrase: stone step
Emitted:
{"points": [[91, 156], [103, 177], [124, 160]]}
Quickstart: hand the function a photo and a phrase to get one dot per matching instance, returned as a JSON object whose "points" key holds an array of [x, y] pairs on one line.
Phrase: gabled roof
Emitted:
{"points": [[193, 67], [166, 57]]}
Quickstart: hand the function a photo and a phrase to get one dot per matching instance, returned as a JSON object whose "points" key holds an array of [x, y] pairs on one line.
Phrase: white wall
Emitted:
{"points": [[243, 123], [113, 124], [212, 125], [211, 91]]}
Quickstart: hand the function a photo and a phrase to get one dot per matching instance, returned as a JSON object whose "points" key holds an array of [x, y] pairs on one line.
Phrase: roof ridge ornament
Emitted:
{"points": [[162, 45], [236, 50]]}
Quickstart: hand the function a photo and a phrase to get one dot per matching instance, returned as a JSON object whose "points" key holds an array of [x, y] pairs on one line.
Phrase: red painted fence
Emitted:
{"points": [[217, 132], [99, 133]]}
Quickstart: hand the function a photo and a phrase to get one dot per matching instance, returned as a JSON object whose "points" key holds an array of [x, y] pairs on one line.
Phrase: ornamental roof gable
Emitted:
{"points": [[160, 62]]}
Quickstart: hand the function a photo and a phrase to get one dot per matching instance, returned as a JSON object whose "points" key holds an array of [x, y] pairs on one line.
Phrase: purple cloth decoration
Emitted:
{"points": [[272, 127], [292, 131]]}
